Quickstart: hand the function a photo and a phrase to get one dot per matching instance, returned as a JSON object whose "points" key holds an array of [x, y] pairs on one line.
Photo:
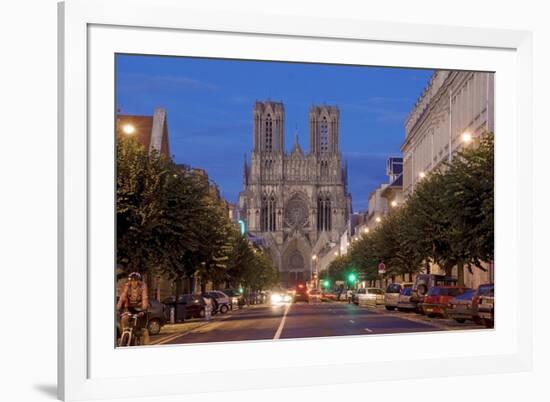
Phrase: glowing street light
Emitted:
{"points": [[421, 175], [366, 230], [394, 203], [128, 129], [378, 219], [466, 137], [314, 257]]}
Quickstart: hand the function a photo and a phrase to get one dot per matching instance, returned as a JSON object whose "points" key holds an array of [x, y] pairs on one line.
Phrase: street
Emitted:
{"points": [[302, 320]]}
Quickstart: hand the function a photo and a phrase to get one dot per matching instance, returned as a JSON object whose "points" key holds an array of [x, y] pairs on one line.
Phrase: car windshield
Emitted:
{"points": [[393, 288], [486, 290]]}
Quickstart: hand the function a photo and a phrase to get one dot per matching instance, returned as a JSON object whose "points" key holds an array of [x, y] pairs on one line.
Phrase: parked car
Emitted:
{"points": [[392, 294], [370, 296], [236, 297], [437, 299], [301, 293], [425, 282], [188, 306], [157, 317], [462, 307], [404, 302], [486, 304], [222, 303]]}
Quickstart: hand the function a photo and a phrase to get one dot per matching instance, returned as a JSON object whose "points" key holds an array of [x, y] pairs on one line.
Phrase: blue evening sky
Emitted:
{"points": [[209, 109]]}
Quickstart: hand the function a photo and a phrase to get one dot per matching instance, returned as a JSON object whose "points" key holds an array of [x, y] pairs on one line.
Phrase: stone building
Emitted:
{"points": [[297, 202], [150, 131], [453, 103], [455, 108]]}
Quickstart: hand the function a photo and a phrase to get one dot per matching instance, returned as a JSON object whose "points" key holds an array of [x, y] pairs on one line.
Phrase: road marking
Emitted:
{"points": [[353, 322], [282, 324], [368, 329]]}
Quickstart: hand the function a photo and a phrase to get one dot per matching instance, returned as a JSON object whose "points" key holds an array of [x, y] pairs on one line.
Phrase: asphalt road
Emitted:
{"points": [[302, 320]]}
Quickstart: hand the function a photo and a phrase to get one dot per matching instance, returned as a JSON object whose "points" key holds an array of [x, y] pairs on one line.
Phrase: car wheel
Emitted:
{"points": [[224, 309], [153, 326], [389, 308], [460, 320]]}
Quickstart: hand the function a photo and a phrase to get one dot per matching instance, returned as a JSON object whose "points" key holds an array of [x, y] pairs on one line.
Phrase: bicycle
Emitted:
{"points": [[131, 335]]}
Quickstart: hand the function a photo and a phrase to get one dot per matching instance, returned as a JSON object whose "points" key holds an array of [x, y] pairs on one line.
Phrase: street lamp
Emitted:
{"points": [[394, 203], [366, 230], [128, 129], [378, 219], [421, 175], [466, 137]]}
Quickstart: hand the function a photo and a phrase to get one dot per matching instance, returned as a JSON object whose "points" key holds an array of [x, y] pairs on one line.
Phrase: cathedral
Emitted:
{"points": [[297, 203]]}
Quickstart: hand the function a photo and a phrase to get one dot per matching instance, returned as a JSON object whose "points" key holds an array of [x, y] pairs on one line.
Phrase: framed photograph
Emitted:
{"points": [[255, 201]]}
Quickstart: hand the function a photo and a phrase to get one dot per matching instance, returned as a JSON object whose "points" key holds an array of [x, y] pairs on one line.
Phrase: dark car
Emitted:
{"points": [[486, 304], [157, 316], [236, 298], [188, 306], [462, 307], [437, 299], [301, 293]]}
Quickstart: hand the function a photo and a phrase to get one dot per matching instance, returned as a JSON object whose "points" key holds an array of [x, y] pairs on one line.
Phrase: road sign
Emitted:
{"points": [[381, 268]]}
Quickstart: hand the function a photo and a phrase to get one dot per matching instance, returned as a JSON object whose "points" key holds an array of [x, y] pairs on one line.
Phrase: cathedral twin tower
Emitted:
{"points": [[297, 203]]}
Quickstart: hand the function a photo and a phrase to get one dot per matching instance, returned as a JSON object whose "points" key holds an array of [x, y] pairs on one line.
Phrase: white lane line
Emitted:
{"points": [[282, 324], [368, 329]]}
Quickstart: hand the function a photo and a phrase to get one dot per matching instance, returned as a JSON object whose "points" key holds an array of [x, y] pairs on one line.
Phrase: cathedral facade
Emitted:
{"points": [[297, 203]]}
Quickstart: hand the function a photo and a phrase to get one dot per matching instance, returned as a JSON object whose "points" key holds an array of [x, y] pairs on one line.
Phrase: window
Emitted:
{"points": [[268, 134], [393, 288], [324, 216], [268, 214], [324, 135]]}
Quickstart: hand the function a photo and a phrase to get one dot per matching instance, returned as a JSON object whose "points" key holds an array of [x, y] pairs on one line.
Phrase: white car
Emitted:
{"points": [[222, 301], [392, 294], [369, 296]]}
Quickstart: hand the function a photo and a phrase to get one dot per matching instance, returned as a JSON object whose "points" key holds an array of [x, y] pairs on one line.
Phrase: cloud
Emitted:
{"points": [[141, 82]]}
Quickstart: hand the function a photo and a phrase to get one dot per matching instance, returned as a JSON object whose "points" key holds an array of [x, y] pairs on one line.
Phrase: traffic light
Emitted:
{"points": [[326, 283], [352, 277]]}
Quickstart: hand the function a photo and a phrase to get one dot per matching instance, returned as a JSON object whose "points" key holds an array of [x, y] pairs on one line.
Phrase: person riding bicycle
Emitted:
{"points": [[135, 300]]}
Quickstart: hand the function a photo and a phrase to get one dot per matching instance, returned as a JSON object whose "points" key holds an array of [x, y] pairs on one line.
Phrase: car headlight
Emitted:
{"points": [[276, 298], [286, 298]]}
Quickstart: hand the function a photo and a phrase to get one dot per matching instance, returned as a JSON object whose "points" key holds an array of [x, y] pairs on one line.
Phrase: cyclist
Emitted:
{"points": [[135, 300]]}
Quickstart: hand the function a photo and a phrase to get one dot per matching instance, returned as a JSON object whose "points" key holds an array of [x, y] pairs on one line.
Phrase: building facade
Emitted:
{"points": [[297, 203], [150, 131], [454, 103], [453, 111]]}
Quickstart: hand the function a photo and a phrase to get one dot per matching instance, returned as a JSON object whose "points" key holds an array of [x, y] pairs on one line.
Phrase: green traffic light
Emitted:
{"points": [[326, 283], [352, 277]]}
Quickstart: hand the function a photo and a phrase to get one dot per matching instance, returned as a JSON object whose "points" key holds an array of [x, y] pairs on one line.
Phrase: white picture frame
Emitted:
{"points": [[91, 32]]}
